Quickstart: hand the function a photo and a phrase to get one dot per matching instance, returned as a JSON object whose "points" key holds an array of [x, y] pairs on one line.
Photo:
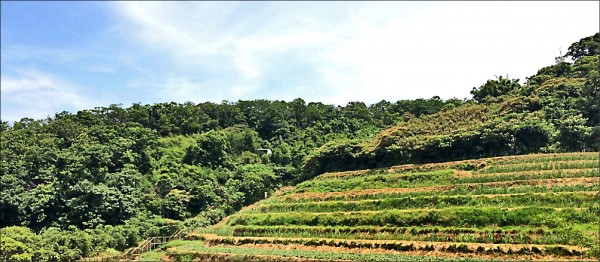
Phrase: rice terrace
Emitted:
{"points": [[530, 207]]}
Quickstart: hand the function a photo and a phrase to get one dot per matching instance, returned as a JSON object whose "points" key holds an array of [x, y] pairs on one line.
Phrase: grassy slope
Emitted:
{"points": [[537, 207]]}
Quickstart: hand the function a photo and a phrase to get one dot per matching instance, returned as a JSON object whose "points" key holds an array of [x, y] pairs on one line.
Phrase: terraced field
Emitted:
{"points": [[530, 207]]}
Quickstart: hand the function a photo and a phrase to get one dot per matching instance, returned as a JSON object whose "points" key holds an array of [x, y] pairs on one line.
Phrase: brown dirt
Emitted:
{"points": [[514, 183]]}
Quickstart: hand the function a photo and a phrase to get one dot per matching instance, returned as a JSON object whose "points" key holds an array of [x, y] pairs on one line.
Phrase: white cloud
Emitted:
{"points": [[32, 93], [355, 51]]}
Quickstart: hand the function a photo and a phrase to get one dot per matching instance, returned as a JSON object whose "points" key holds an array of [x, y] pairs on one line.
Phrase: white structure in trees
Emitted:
{"points": [[265, 151]]}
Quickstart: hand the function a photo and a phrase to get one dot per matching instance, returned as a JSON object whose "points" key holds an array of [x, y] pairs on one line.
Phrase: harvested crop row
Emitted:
{"points": [[404, 246], [457, 217], [579, 164], [466, 174], [504, 186], [571, 199], [518, 191], [468, 164], [207, 255], [434, 179], [523, 235], [302, 253], [574, 156], [593, 206]]}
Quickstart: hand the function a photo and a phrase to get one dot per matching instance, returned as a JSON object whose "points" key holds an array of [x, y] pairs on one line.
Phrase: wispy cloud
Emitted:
{"points": [[333, 52], [32, 93], [352, 51]]}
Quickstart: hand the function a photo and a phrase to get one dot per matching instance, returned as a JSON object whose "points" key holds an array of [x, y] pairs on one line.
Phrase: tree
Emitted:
{"points": [[495, 88], [175, 205], [588, 46], [163, 185], [210, 150], [572, 132], [254, 181], [13, 250]]}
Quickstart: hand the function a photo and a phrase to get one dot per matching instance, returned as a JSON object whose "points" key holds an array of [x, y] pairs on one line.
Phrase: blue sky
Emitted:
{"points": [[66, 56]]}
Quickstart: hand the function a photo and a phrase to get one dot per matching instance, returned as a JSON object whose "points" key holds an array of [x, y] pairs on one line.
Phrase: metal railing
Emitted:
{"points": [[153, 242], [149, 244]]}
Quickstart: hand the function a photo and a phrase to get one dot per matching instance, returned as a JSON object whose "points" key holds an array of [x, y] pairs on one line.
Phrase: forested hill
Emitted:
{"points": [[555, 110], [100, 180], [79, 183]]}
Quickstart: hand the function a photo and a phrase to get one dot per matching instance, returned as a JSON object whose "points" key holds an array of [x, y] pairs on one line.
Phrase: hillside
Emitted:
{"points": [[555, 110], [99, 181], [534, 207]]}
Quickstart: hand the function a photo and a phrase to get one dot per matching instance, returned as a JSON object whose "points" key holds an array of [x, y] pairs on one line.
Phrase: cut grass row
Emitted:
{"points": [[236, 253], [519, 235], [437, 178], [503, 168], [570, 199], [404, 246], [534, 158], [456, 217], [469, 164], [511, 187]]}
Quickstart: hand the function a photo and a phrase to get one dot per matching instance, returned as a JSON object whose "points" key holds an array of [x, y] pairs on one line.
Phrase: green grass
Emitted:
{"points": [[571, 199], [454, 216], [504, 168], [496, 235], [462, 190], [537, 158], [221, 231], [437, 178], [151, 256]]}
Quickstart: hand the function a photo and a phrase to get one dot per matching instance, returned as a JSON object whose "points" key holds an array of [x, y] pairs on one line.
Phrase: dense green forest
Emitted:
{"points": [[100, 180]]}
